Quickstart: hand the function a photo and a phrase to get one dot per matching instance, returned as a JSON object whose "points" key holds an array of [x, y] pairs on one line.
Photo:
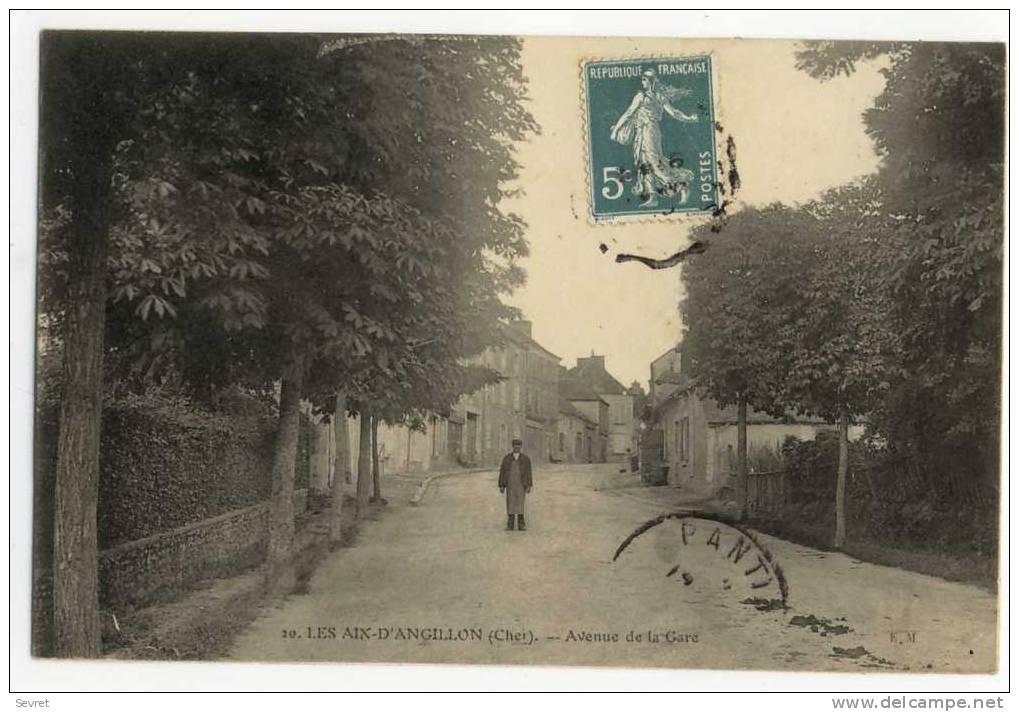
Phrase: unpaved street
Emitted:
{"points": [[443, 582]]}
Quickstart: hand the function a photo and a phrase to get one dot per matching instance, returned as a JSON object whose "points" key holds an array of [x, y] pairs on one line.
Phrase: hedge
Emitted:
{"points": [[164, 464], [889, 500]]}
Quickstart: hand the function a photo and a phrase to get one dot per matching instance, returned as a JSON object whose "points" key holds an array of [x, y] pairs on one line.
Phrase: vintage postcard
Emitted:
{"points": [[519, 350]]}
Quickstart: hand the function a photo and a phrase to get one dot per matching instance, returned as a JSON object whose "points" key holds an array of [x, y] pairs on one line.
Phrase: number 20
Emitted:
{"points": [[610, 175]]}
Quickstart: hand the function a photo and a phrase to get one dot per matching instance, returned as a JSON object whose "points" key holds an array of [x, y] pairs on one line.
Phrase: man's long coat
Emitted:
{"points": [[515, 477], [525, 470]]}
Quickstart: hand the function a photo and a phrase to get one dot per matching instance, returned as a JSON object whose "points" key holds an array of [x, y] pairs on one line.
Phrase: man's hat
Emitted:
{"points": [[516, 441]]}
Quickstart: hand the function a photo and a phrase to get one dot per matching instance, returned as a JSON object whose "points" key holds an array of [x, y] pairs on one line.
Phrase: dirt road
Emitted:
{"points": [[444, 582]]}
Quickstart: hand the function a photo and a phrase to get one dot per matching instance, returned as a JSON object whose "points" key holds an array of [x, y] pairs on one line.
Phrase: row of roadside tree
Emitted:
{"points": [[313, 214], [881, 301]]}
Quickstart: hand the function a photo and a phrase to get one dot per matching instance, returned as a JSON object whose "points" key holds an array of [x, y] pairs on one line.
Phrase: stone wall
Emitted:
{"points": [[137, 572], [225, 544]]}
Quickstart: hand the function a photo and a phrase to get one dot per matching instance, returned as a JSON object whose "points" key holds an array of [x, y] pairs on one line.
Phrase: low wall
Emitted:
{"points": [[136, 572], [218, 546]]}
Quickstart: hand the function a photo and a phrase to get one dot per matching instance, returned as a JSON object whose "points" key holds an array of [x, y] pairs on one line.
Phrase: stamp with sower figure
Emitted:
{"points": [[651, 136]]}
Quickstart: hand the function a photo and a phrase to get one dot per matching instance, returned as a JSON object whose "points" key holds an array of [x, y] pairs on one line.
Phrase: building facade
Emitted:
{"points": [[664, 375], [621, 435], [698, 440], [576, 434], [594, 413], [478, 429], [578, 415], [540, 389]]}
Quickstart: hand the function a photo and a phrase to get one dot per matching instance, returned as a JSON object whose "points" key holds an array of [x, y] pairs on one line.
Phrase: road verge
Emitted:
{"points": [[422, 488]]}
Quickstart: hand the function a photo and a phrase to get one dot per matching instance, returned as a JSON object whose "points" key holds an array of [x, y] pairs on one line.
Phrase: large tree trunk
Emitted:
{"points": [[364, 463], [75, 561], [741, 456], [75, 584], [840, 481], [376, 489], [280, 576], [341, 466]]}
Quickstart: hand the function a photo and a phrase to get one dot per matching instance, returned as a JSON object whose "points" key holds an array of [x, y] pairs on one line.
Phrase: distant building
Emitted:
{"points": [[693, 438], [595, 410], [523, 404], [664, 375], [539, 393], [576, 434], [478, 429], [641, 411], [590, 372]]}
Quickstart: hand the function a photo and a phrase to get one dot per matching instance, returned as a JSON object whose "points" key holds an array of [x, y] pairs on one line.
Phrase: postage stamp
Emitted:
{"points": [[651, 136]]}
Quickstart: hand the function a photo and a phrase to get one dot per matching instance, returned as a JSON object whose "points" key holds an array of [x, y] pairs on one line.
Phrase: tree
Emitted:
{"points": [[100, 93], [939, 127], [737, 295], [842, 346], [452, 173], [376, 485], [364, 462], [257, 233], [883, 297], [341, 467], [792, 300], [281, 576], [85, 152], [139, 135]]}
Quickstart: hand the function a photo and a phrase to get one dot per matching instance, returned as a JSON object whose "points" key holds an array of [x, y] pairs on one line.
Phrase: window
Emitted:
{"points": [[684, 451], [618, 413]]}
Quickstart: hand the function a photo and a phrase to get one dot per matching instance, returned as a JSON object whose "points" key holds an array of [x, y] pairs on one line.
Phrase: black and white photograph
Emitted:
{"points": [[496, 349]]}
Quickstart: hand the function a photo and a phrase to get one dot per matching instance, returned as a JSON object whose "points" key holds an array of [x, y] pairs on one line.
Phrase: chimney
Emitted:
{"points": [[597, 361], [523, 326]]}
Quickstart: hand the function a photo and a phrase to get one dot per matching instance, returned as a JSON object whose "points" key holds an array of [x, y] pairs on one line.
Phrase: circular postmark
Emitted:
{"points": [[710, 553]]}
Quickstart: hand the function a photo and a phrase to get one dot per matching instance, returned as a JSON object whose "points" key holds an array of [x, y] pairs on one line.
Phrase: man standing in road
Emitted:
{"points": [[515, 481]]}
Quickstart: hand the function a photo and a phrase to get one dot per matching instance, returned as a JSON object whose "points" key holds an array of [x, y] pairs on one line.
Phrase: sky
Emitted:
{"points": [[795, 137]]}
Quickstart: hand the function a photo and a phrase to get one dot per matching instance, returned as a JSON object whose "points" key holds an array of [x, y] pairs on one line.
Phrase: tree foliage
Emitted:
{"points": [[882, 298], [263, 208], [939, 127], [271, 186], [741, 314]]}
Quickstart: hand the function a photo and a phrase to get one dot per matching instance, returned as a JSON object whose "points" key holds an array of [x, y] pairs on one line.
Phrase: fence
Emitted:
{"points": [[766, 492]]}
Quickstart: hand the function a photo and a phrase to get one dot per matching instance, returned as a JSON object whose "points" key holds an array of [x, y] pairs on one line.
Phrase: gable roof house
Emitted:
{"points": [[590, 372], [596, 411], [698, 439], [576, 434]]}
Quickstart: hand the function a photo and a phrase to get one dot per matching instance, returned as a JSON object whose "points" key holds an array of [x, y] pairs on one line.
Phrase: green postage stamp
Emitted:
{"points": [[651, 136]]}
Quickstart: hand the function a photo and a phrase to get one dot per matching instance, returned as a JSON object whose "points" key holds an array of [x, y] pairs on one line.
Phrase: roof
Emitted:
{"points": [[663, 354], [522, 339], [573, 390], [567, 408], [715, 414], [673, 378], [595, 376]]}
